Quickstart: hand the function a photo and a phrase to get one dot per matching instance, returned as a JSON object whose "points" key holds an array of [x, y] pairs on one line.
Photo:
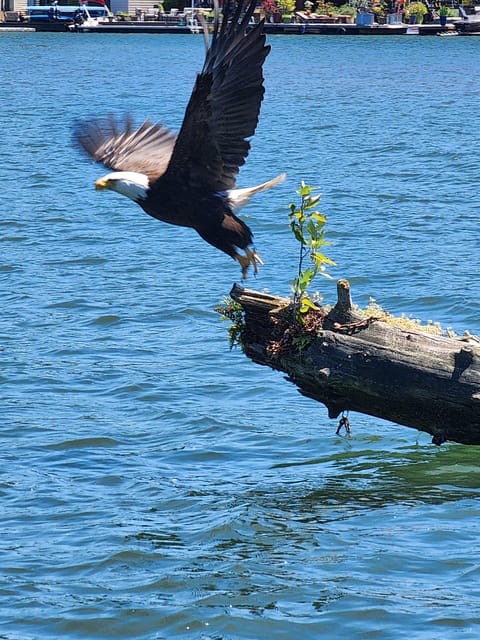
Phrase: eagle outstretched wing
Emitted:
{"points": [[120, 147], [225, 103]]}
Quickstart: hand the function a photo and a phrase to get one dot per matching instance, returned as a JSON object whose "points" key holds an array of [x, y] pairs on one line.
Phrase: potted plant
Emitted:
{"points": [[379, 13], [347, 13], [443, 15], [286, 8], [416, 11], [269, 8]]}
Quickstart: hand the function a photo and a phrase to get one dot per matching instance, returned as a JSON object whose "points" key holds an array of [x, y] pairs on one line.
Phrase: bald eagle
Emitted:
{"points": [[189, 179]]}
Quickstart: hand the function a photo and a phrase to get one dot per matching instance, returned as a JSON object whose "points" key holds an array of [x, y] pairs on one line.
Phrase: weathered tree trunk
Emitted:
{"points": [[348, 362]]}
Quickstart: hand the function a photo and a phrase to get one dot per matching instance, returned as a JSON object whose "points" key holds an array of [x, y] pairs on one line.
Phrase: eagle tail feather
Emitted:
{"points": [[238, 198]]}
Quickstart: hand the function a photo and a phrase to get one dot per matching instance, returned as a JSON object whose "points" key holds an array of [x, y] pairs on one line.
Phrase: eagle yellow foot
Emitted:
{"points": [[251, 257]]}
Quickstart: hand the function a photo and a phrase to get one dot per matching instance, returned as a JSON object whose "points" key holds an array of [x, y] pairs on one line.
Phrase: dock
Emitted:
{"points": [[319, 28], [32, 26], [127, 26], [295, 28], [178, 25]]}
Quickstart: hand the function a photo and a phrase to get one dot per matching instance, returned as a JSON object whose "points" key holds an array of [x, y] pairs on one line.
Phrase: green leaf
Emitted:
{"points": [[312, 229], [307, 304], [305, 278], [298, 235], [320, 258], [318, 217], [311, 202], [304, 191]]}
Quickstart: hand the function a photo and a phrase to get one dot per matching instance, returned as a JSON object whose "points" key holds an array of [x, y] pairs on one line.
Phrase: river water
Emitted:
{"points": [[155, 484]]}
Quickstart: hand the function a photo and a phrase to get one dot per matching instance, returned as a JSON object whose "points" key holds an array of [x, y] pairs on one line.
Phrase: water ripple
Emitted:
{"points": [[154, 483]]}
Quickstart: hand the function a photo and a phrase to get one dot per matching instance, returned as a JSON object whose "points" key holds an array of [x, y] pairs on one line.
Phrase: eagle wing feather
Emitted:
{"points": [[224, 106], [121, 147]]}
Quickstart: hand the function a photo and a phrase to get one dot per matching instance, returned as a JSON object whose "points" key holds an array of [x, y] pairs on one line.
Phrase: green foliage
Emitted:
{"points": [[269, 7], [324, 7], [307, 225], [286, 6], [232, 310], [345, 10], [416, 8]]}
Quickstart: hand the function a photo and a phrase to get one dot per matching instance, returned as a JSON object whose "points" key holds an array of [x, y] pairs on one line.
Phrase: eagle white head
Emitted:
{"points": [[128, 183]]}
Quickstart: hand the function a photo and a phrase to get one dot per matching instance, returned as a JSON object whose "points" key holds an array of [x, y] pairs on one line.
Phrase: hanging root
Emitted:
{"points": [[251, 257], [344, 422]]}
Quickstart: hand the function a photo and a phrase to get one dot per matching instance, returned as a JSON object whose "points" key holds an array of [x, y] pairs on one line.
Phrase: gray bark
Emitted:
{"points": [[347, 362]]}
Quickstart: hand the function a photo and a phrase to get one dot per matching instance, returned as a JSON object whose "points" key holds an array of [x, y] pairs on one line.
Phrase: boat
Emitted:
{"points": [[67, 13], [189, 21], [470, 25]]}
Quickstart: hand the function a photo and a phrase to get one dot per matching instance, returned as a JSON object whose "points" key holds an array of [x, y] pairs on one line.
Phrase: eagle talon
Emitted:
{"points": [[251, 258]]}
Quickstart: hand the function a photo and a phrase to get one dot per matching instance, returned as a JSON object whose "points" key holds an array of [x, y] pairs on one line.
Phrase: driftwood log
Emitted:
{"points": [[349, 362]]}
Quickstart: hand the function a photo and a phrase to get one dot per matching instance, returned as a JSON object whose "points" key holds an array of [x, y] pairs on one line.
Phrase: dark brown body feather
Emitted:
{"points": [[189, 174]]}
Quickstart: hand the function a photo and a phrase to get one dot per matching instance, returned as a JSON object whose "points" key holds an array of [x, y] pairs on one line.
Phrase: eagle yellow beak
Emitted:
{"points": [[102, 183]]}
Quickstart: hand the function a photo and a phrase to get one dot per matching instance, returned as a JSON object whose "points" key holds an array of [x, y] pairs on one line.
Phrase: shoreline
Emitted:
{"points": [[294, 28]]}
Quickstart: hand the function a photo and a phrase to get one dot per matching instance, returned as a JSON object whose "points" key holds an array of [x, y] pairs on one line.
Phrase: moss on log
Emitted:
{"points": [[349, 362]]}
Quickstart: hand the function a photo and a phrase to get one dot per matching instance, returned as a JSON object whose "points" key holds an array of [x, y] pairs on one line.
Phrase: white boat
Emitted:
{"points": [[470, 25], [68, 11]]}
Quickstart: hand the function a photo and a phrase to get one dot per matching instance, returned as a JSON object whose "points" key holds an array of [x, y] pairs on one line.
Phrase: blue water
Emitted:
{"points": [[155, 484]]}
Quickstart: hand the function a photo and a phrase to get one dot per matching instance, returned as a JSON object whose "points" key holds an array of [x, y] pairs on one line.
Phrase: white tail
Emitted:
{"points": [[240, 197]]}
